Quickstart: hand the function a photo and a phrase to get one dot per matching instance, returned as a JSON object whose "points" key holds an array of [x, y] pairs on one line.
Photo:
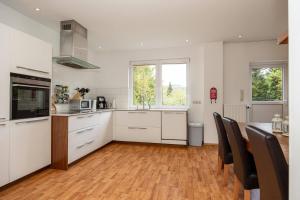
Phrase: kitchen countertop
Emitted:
{"points": [[86, 112]]}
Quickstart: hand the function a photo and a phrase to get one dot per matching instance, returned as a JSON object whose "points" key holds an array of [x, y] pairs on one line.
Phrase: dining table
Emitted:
{"points": [[283, 139]]}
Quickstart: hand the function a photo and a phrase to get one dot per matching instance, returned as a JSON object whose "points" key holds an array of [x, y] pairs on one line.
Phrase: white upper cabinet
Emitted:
{"points": [[4, 73], [4, 153], [30, 146], [174, 125], [30, 55]]}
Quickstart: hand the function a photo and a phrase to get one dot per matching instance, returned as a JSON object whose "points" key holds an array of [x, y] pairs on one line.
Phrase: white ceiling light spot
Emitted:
{"points": [[142, 44], [99, 47], [187, 41], [240, 36], [37, 9]]}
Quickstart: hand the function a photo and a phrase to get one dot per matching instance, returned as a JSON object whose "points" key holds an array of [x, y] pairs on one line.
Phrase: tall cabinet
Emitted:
{"points": [[4, 73]]}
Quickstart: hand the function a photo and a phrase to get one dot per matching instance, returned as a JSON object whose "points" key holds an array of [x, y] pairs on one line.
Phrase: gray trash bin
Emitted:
{"points": [[195, 134]]}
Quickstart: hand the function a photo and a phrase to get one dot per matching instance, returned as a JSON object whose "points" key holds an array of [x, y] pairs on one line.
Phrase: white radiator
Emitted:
{"points": [[236, 111]]}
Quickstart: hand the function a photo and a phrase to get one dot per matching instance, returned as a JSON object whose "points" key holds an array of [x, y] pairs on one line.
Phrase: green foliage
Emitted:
{"points": [[267, 84], [176, 98], [144, 85], [170, 89]]}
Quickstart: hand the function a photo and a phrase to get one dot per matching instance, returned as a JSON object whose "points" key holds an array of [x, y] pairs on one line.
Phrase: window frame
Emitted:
{"points": [[272, 64], [158, 91]]}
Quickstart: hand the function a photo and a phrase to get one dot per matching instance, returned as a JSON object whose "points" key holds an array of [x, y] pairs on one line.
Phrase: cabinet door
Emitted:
{"points": [[138, 134], [31, 55], [174, 125], [30, 147], [4, 74], [106, 124], [4, 153]]}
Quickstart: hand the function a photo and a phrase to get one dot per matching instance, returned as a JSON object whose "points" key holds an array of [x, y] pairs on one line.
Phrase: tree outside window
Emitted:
{"points": [[267, 84]]}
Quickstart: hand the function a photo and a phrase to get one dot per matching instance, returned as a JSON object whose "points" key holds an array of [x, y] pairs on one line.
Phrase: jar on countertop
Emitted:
{"points": [[277, 123]]}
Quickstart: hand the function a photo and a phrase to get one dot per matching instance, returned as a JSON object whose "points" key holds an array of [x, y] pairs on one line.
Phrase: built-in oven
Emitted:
{"points": [[30, 96]]}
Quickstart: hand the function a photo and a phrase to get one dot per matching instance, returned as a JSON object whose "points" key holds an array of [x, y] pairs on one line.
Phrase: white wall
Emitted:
{"points": [[213, 77], [294, 98], [237, 57]]}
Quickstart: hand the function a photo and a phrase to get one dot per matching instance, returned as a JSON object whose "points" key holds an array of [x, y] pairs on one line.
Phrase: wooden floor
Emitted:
{"points": [[131, 171]]}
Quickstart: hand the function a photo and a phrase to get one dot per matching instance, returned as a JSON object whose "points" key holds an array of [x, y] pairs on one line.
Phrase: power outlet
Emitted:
{"points": [[197, 102]]}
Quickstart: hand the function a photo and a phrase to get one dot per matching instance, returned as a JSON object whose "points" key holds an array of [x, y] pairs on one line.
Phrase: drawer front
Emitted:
{"points": [[82, 142], [138, 134], [83, 121], [138, 118]]}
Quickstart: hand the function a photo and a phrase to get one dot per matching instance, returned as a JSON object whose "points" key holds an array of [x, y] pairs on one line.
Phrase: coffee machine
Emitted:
{"points": [[101, 103]]}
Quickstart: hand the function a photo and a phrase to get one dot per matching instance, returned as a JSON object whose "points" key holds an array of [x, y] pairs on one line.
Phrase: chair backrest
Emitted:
{"points": [[243, 160], [224, 147], [272, 168]]}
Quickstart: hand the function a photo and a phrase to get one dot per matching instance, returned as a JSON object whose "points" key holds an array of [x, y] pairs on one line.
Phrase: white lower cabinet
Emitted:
{"points": [[30, 146], [174, 127], [138, 134], [84, 140], [4, 153], [138, 126]]}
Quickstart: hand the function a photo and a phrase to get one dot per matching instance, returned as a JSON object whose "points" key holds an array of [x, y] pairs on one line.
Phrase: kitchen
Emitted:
{"points": [[69, 139]]}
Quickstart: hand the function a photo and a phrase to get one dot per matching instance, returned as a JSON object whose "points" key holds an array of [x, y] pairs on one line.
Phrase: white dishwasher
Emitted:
{"points": [[174, 127]]}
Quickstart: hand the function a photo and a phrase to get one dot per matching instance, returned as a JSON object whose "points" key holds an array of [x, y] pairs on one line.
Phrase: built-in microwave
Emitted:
{"points": [[81, 104], [30, 96]]}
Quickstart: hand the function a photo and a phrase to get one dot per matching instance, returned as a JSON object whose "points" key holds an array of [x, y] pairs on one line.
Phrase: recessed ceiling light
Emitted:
{"points": [[187, 41], [37, 9], [142, 44], [240, 36], [99, 47]]}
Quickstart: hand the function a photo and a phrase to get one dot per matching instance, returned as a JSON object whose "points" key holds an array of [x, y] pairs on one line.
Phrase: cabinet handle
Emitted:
{"points": [[180, 113], [32, 121], [141, 128], [81, 117], [2, 124], [2, 118], [90, 142], [89, 129], [34, 70], [137, 112], [79, 147]]}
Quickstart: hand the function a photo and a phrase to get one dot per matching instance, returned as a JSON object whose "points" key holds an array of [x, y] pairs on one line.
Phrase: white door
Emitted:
{"points": [[31, 55], [4, 73], [4, 153], [30, 147], [174, 125]]}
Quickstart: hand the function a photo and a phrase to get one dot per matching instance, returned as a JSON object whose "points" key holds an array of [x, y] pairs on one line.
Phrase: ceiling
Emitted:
{"points": [[135, 24]]}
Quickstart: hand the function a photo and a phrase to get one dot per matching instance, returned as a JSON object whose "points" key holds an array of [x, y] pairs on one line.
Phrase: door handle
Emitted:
{"points": [[2, 124]]}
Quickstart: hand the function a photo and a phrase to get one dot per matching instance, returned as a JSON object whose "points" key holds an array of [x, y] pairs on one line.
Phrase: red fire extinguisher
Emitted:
{"points": [[213, 95]]}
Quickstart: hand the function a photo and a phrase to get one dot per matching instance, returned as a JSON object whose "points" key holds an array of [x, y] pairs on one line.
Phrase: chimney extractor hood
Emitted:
{"points": [[73, 46]]}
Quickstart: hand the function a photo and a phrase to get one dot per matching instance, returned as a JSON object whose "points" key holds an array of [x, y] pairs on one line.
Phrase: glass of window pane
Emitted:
{"points": [[144, 84], [174, 84], [267, 84]]}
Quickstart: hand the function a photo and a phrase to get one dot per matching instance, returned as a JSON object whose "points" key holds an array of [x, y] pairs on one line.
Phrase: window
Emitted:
{"points": [[267, 83], [161, 83], [174, 84]]}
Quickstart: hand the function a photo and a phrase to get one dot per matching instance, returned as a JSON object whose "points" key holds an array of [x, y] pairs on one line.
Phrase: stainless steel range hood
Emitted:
{"points": [[73, 46]]}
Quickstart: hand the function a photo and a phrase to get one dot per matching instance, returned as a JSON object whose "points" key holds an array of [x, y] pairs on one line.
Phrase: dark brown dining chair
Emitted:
{"points": [[244, 166], [224, 151], [272, 168]]}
